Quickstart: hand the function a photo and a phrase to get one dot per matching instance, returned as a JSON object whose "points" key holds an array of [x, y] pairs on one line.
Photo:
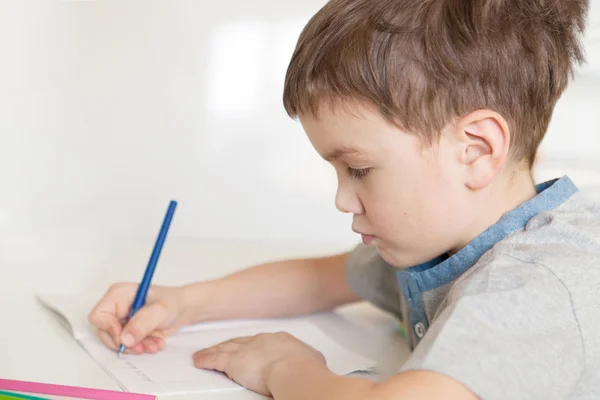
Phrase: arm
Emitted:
{"points": [[310, 379], [276, 289]]}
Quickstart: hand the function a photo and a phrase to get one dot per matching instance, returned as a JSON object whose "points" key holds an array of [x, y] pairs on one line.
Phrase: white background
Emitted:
{"points": [[109, 109]]}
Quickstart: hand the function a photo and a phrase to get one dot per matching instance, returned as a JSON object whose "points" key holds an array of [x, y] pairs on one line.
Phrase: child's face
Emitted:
{"points": [[406, 199]]}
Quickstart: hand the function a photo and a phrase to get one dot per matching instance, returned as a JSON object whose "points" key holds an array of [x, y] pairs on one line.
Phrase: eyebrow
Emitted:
{"points": [[341, 152]]}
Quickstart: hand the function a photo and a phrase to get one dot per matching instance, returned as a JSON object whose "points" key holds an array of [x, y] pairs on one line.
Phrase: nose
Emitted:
{"points": [[347, 201]]}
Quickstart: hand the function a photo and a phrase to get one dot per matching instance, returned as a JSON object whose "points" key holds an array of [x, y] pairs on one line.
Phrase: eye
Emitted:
{"points": [[357, 173]]}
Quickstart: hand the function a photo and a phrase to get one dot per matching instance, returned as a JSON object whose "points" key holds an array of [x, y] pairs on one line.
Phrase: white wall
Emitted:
{"points": [[572, 143], [108, 109], [115, 107]]}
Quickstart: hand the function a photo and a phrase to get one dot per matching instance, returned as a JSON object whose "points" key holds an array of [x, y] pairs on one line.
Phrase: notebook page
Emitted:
{"points": [[71, 310], [172, 371]]}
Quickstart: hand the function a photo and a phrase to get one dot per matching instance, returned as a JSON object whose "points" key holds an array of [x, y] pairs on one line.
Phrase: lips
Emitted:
{"points": [[366, 238]]}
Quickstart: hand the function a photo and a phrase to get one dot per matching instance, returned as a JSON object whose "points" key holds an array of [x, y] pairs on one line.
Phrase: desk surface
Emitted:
{"points": [[34, 346]]}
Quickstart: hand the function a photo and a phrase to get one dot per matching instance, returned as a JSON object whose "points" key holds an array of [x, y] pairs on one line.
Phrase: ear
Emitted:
{"points": [[484, 138]]}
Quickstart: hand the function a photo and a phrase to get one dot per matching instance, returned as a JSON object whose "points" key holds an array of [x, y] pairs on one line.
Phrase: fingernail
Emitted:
{"points": [[128, 340]]}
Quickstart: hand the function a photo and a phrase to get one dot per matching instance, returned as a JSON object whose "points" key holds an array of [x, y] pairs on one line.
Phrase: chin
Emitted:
{"points": [[387, 255], [398, 259]]}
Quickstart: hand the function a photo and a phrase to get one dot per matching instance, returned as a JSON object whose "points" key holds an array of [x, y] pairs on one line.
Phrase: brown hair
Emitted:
{"points": [[422, 63]]}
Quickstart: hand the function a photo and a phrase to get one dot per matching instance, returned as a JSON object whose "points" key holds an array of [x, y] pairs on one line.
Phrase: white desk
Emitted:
{"points": [[35, 347]]}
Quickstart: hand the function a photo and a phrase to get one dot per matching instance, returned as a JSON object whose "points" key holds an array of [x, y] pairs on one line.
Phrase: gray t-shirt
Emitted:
{"points": [[513, 315]]}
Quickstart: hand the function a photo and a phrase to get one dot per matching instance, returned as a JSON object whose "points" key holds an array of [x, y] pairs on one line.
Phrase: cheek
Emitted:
{"points": [[389, 207], [409, 206]]}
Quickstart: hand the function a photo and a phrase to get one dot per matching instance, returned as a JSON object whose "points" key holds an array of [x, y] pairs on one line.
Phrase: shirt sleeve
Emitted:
{"points": [[508, 331], [373, 279]]}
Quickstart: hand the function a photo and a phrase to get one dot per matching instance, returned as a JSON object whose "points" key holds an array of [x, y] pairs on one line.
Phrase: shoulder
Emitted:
{"points": [[510, 315], [576, 223], [564, 243]]}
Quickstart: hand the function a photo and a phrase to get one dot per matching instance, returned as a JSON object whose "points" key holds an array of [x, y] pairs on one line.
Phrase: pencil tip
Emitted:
{"points": [[121, 350]]}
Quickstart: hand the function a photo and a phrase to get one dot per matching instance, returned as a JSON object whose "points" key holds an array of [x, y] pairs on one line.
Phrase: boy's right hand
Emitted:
{"points": [[162, 314]]}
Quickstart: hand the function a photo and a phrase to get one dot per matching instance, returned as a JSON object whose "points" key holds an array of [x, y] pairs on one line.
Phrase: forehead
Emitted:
{"points": [[346, 129]]}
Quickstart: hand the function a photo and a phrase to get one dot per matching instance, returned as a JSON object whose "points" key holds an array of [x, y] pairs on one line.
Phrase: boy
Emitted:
{"points": [[431, 113]]}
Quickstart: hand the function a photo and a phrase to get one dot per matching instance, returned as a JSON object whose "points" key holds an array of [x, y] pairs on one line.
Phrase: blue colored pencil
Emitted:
{"points": [[140, 297], [6, 395]]}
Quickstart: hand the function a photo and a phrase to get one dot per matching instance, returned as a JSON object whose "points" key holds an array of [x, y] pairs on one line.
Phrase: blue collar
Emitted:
{"points": [[444, 269]]}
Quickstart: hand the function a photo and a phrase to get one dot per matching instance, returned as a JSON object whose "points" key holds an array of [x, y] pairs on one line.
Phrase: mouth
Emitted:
{"points": [[366, 238]]}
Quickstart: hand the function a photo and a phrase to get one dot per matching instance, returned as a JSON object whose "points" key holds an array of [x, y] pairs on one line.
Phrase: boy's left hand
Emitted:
{"points": [[249, 360]]}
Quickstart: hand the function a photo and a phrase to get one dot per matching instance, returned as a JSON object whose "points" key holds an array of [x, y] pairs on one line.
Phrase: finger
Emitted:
{"points": [[159, 342], [152, 344], [241, 340], [105, 321], [212, 359], [143, 323], [111, 308], [231, 345], [137, 349], [117, 300], [108, 341], [149, 345], [168, 332]]}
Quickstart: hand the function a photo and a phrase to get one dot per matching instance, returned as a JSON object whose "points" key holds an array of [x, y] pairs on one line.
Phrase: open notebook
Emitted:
{"points": [[171, 371]]}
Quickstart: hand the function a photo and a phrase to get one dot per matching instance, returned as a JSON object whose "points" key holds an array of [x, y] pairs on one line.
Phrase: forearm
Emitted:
{"points": [[310, 379], [278, 289]]}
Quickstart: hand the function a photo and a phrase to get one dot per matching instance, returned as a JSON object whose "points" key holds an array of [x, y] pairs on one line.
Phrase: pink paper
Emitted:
{"points": [[70, 391]]}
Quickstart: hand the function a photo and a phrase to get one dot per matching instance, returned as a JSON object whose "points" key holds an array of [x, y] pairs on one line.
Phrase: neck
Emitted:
{"points": [[505, 194], [517, 190]]}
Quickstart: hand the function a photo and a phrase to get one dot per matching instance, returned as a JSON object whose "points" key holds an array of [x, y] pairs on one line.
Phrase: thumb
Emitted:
{"points": [[143, 323]]}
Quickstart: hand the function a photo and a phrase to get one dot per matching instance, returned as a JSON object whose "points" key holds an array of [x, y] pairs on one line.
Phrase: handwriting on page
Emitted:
{"points": [[137, 371], [164, 367]]}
